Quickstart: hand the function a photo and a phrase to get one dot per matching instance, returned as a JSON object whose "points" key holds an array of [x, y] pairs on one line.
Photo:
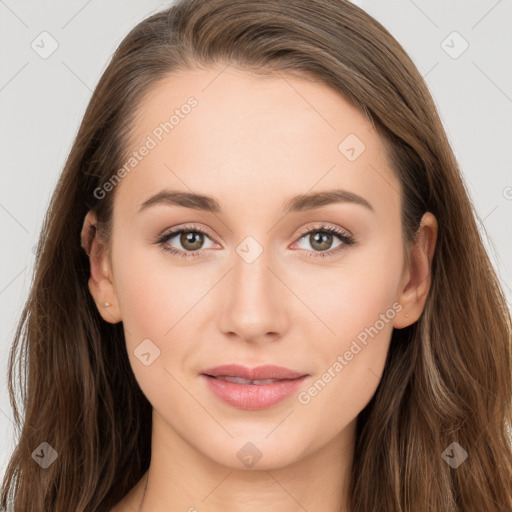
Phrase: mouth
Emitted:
{"points": [[265, 372], [252, 388], [241, 380]]}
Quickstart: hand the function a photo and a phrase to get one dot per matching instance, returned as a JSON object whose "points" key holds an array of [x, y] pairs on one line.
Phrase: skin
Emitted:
{"points": [[252, 143]]}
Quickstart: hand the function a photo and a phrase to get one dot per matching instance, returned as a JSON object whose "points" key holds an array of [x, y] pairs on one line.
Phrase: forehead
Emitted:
{"points": [[247, 136]]}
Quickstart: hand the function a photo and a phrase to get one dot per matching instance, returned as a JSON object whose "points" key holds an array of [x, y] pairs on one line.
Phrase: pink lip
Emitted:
{"points": [[252, 396], [267, 371]]}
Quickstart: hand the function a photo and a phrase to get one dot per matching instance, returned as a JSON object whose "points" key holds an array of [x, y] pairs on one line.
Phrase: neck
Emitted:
{"points": [[181, 477]]}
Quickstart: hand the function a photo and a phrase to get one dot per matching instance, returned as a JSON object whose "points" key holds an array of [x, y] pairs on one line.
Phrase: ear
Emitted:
{"points": [[101, 283], [416, 281]]}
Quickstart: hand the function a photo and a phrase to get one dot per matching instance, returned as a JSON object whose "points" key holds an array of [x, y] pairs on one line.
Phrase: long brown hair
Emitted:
{"points": [[448, 377]]}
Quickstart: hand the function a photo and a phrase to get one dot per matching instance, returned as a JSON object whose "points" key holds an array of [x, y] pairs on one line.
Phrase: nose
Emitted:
{"points": [[253, 301]]}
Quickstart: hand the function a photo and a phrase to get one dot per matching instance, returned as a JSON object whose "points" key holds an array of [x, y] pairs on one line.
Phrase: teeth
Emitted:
{"points": [[240, 380]]}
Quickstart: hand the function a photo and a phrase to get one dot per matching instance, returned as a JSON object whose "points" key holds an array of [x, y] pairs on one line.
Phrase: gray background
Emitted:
{"points": [[42, 101]]}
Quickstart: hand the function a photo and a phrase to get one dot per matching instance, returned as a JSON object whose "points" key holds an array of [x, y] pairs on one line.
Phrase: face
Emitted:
{"points": [[310, 285]]}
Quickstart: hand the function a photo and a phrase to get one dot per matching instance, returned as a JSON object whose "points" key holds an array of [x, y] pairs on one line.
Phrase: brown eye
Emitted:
{"points": [[191, 240], [321, 241], [185, 242]]}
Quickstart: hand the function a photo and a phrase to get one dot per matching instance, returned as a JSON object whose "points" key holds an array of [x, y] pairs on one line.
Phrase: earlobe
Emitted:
{"points": [[100, 282], [414, 293]]}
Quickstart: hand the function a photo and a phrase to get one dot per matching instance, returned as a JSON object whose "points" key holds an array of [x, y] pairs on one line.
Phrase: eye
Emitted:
{"points": [[192, 238], [321, 240]]}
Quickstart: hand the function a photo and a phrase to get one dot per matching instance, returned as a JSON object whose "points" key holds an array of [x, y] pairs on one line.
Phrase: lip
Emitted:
{"points": [[253, 396], [267, 371]]}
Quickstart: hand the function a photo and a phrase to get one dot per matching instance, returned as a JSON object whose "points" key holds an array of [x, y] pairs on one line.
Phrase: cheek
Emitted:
{"points": [[357, 309], [152, 293], [151, 302], [157, 300], [352, 295]]}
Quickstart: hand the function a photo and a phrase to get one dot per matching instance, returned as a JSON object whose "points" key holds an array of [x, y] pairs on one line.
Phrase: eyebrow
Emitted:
{"points": [[297, 203]]}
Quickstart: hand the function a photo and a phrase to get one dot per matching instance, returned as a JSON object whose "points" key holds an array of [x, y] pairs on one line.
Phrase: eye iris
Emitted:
{"points": [[191, 240], [324, 240]]}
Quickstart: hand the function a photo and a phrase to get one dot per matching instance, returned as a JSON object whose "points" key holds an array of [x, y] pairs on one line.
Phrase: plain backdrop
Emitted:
{"points": [[460, 47]]}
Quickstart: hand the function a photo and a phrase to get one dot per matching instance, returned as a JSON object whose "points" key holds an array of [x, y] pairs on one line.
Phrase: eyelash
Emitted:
{"points": [[347, 240]]}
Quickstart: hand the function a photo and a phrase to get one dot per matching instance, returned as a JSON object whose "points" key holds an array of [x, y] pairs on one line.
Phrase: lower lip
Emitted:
{"points": [[252, 396]]}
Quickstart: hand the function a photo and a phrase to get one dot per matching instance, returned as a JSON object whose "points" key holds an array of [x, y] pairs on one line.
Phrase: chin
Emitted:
{"points": [[254, 452]]}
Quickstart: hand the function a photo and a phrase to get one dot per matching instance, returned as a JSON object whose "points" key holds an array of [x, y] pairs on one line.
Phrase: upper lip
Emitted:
{"points": [[257, 373]]}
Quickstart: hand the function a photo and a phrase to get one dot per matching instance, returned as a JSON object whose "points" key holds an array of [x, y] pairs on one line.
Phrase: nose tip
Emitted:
{"points": [[251, 302]]}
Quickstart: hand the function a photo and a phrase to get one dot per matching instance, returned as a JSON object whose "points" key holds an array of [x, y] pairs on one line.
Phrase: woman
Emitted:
{"points": [[260, 283]]}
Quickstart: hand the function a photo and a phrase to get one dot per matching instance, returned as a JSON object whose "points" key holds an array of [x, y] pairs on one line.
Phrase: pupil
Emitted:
{"points": [[187, 240], [323, 240]]}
